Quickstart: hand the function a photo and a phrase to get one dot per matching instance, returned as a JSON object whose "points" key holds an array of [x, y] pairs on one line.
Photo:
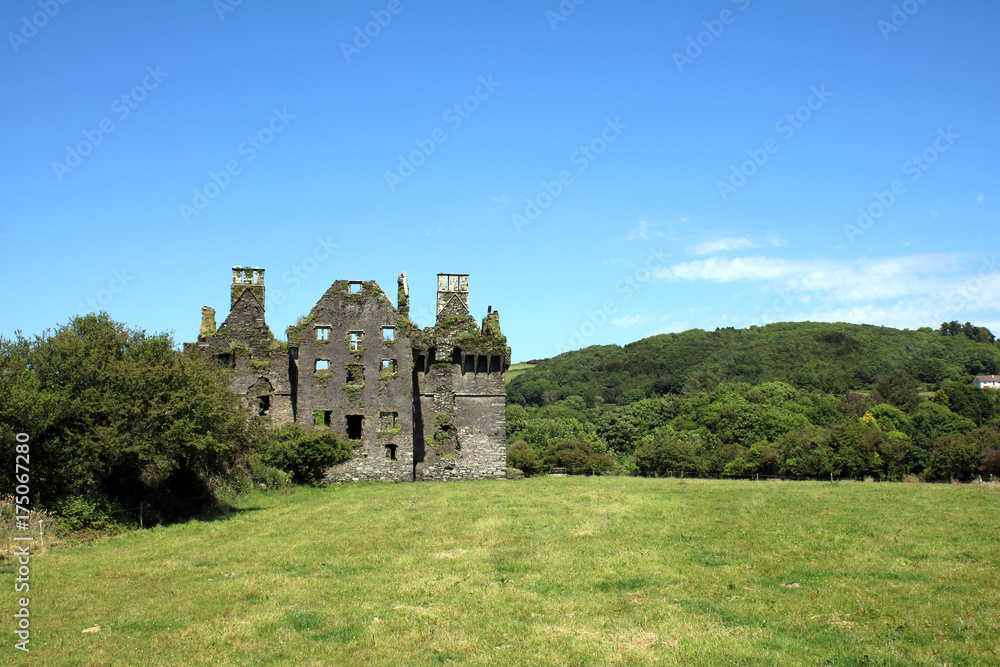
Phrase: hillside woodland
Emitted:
{"points": [[793, 399]]}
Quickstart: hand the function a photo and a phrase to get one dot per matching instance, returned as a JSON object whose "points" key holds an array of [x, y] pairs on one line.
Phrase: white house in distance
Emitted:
{"points": [[987, 382]]}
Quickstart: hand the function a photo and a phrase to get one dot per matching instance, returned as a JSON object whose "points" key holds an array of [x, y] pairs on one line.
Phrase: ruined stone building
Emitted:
{"points": [[415, 403]]}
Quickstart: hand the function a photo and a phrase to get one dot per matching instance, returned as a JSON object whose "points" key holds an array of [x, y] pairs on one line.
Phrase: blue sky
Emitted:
{"points": [[603, 171]]}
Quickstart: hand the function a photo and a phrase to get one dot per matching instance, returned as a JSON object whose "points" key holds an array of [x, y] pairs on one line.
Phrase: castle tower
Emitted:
{"points": [[453, 295], [245, 278]]}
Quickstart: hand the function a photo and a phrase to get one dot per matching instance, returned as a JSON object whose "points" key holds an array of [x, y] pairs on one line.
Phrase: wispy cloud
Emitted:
{"points": [[730, 243], [714, 246], [645, 231], [857, 285]]}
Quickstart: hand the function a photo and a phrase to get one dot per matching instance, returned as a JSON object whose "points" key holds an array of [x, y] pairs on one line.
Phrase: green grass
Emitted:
{"points": [[514, 370], [548, 571]]}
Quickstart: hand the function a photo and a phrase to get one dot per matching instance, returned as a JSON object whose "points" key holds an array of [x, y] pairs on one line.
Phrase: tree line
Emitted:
{"points": [[119, 420], [899, 415]]}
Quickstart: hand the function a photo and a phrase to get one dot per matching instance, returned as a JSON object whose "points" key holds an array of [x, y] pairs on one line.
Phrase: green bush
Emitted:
{"points": [[578, 458], [91, 511], [520, 455], [304, 455], [268, 476]]}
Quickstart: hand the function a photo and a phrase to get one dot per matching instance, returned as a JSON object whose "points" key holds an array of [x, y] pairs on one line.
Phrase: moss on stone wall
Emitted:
{"points": [[296, 332]]}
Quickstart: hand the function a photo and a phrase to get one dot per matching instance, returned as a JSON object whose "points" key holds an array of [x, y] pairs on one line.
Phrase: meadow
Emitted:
{"points": [[545, 571]]}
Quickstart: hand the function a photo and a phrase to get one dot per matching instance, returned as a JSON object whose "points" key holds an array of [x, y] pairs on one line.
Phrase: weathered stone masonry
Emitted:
{"points": [[415, 403]]}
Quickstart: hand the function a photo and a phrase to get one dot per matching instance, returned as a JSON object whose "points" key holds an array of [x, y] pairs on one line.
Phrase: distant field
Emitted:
{"points": [[515, 370], [547, 571]]}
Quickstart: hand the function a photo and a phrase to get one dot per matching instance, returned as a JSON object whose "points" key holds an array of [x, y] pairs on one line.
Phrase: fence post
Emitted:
{"points": [[140, 514]]}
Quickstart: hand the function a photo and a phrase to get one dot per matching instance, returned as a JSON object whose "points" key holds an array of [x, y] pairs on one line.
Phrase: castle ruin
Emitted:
{"points": [[416, 404]]}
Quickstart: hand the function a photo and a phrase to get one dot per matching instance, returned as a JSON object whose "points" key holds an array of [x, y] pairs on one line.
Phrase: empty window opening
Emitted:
{"points": [[481, 364], [322, 333], [388, 367], [494, 364], [263, 405], [322, 418], [418, 365], [388, 421], [355, 425], [354, 340], [322, 364], [470, 364], [390, 452], [225, 360], [388, 333], [355, 286], [355, 374], [293, 352], [456, 356]]}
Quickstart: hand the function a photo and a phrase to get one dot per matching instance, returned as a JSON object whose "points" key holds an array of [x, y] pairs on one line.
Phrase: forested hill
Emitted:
{"points": [[833, 358]]}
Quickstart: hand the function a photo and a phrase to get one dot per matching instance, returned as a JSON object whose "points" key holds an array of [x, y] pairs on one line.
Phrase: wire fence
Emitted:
{"points": [[991, 480]]}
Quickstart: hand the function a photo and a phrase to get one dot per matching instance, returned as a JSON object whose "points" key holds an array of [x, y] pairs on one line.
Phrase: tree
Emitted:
{"points": [[541, 433], [899, 389], [665, 451], [896, 449], [114, 411], [855, 404], [954, 457], [578, 458], [517, 418], [622, 427], [520, 455], [890, 418], [806, 452]]}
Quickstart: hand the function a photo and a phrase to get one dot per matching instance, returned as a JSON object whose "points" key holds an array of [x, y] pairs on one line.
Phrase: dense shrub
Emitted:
{"points": [[520, 455], [304, 455], [578, 458], [113, 409]]}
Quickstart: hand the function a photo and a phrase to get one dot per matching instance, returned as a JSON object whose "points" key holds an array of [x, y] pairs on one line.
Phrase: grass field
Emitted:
{"points": [[515, 370], [546, 571]]}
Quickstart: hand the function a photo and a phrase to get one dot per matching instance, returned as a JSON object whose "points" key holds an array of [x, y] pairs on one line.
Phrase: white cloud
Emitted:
{"points": [[714, 246], [941, 278], [729, 243], [644, 230]]}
